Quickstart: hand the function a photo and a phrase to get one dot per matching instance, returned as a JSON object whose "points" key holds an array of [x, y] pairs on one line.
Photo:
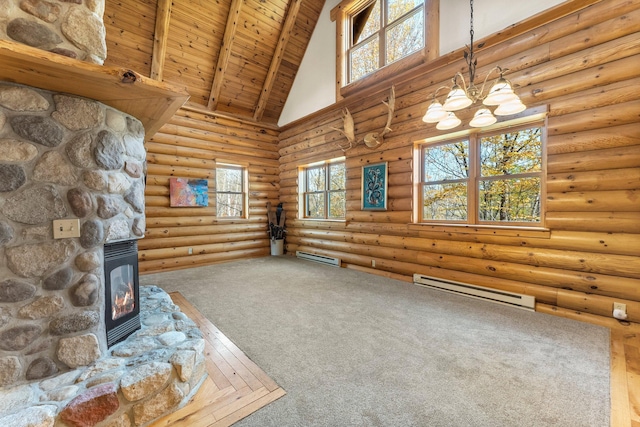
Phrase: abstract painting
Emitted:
{"points": [[185, 192], [374, 187]]}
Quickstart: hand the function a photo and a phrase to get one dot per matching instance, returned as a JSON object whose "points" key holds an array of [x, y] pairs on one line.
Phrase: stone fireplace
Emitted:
{"points": [[61, 157], [64, 155]]}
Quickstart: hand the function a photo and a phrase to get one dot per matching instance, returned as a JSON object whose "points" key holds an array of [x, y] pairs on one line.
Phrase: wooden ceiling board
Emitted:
{"points": [[125, 22], [242, 102], [195, 50], [187, 58], [144, 11], [201, 38], [208, 10], [214, 26], [180, 55], [129, 44], [274, 10], [192, 47], [256, 55], [190, 57], [292, 57], [244, 98]]}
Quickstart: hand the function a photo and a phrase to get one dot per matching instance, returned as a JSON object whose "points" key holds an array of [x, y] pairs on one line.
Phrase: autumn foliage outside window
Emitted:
{"points": [[484, 178], [382, 32]]}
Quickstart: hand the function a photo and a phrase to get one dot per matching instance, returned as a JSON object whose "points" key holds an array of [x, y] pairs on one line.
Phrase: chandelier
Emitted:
{"points": [[500, 94]]}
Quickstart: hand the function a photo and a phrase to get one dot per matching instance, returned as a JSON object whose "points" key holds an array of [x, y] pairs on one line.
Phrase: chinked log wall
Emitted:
{"points": [[584, 66], [189, 147]]}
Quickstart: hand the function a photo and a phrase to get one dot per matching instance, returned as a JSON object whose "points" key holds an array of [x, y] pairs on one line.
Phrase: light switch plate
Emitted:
{"points": [[65, 228]]}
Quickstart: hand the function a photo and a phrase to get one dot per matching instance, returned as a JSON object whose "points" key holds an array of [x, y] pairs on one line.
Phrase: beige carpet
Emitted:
{"points": [[354, 349]]}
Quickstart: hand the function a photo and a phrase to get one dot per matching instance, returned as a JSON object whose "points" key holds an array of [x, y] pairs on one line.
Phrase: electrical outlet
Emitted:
{"points": [[619, 310], [620, 306], [65, 228], [190, 251], [373, 263]]}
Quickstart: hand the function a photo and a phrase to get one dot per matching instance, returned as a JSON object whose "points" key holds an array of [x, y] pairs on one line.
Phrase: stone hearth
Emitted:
{"points": [[155, 371]]}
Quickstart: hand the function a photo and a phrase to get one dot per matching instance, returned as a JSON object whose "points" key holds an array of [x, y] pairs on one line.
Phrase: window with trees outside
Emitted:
{"points": [[231, 191], [382, 32], [484, 178], [324, 190]]}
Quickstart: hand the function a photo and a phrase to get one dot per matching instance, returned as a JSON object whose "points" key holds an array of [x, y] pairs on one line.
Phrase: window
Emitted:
{"points": [[231, 191], [484, 178], [382, 32], [324, 194]]}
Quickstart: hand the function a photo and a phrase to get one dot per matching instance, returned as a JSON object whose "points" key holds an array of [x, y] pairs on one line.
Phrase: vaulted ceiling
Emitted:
{"points": [[238, 57]]}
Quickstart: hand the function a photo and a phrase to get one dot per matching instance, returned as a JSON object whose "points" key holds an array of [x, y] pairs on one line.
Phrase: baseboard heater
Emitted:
{"points": [[318, 258], [526, 302]]}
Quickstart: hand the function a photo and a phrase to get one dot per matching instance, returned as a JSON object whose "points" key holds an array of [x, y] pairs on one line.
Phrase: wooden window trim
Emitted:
{"points": [[245, 193], [340, 15], [530, 118], [327, 191]]}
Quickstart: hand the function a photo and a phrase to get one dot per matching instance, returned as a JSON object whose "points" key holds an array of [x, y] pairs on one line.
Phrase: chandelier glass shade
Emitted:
{"points": [[500, 94], [449, 122], [482, 118]]}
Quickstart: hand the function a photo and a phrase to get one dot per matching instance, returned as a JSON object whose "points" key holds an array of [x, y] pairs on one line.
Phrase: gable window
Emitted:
{"points": [[375, 34], [382, 32], [324, 190], [492, 178], [231, 194]]}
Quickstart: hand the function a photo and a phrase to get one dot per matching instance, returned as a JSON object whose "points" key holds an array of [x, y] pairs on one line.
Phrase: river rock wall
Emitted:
{"points": [[72, 28], [61, 157]]}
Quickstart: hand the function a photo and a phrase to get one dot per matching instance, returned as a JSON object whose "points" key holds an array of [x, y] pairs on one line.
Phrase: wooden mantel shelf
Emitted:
{"points": [[150, 101]]}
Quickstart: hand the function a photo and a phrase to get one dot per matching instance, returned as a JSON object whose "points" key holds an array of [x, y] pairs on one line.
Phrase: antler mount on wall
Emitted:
{"points": [[372, 140]]}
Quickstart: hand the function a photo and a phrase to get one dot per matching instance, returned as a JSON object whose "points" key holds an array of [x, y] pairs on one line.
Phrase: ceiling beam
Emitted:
{"points": [[276, 60], [225, 53], [163, 16]]}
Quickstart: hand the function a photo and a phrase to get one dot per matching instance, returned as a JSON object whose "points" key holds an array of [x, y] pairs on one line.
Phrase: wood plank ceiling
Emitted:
{"points": [[237, 57]]}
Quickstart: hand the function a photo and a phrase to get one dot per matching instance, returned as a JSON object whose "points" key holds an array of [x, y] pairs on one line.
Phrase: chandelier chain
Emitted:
{"points": [[470, 58], [462, 95]]}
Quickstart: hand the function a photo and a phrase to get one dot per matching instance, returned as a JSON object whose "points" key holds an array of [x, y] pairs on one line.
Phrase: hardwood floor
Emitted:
{"points": [[625, 378], [237, 387]]}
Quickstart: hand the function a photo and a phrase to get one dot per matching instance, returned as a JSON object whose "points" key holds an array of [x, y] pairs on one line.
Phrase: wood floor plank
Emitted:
{"points": [[227, 365], [239, 367], [208, 416], [217, 376], [620, 407], [229, 372], [247, 362], [198, 408], [250, 408], [240, 403], [632, 356], [632, 339], [231, 359], [245, 367]]}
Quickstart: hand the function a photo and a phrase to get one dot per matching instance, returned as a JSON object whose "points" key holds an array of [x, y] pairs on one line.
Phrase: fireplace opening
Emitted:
{"points": [[122, 293]]}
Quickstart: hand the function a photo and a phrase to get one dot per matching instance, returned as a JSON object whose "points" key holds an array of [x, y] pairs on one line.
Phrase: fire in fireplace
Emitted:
{"points": [[122, 308]]}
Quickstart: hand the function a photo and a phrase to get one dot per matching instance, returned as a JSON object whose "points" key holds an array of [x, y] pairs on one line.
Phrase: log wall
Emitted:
{"points": [[581, 64], [189, 147]]}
